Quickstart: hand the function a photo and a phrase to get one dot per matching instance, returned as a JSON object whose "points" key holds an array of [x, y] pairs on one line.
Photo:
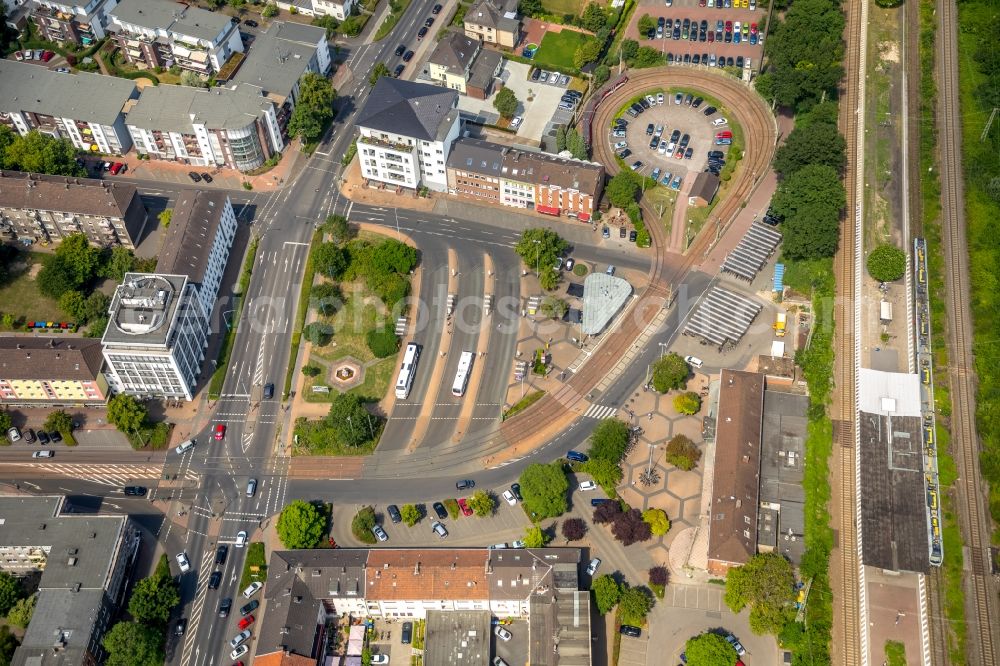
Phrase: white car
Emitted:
{"points": [[240, 638], [252, 589], [502, 633], [379, 659], [737, 28], [241, 538], [42, 454], [183, 562], [621, 145], [719, 122], [439, 529], [662, 149], [694, 361], [509, 496], [517, 544], [14, 434], [659, 98], [588, 485], [671, 147], [239, 652], [514, 124], [594, 565], [651, 100]]}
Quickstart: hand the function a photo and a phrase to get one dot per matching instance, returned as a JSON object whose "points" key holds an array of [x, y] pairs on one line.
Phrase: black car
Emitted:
{"points": [[400, 50], [730, 62], [638, 108], [575, 93], [194, 176], [134, 491], [516, 489], [598, 501], [709, 110], [407, 633], [535, 74], [393, 512], [677, 32], [439, 509], [697, 102], [688, 153], [625, 153], [644, 103], [205, 177], [716, 153], [569, 99], [55, 436], [268, 391], [429, 22], [43, 437], [408, 56], [251, 23], [465, 484], [653, 143], [220, 555], [660, 22], [675, 136], [629, 630], [687, 58], [670, 24], [399, 70], [422, 33], [249, 608], [29, 436], [739, 61], [225, 606], [214, 580], [181, 627], [621, 232], [685, 140], [703, 25], [436, 9], [632, 235], [650, 128], [695, 60], [651, 33], [670, 58]]}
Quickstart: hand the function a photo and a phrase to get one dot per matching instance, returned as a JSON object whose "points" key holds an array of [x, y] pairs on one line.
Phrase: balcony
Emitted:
{"points": [[399, 147]]}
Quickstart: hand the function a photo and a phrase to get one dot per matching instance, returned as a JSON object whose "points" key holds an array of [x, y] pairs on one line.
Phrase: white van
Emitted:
{"points": [[694, 361], [185, 446]]}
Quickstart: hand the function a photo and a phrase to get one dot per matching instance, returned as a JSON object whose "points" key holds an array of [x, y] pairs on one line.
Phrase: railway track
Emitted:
{"points": [[980, 587]]}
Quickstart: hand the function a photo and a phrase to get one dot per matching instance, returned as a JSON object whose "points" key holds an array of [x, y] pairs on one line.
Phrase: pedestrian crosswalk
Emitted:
{"points": [[596, 411], [114, 475]]}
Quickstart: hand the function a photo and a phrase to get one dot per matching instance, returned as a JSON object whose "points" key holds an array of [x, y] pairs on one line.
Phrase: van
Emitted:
{"points": [[694, 361], [184, 447], [576, 456]]}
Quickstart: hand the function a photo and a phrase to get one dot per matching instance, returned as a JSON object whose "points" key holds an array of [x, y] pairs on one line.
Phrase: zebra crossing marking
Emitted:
{"points": [[596, 411]]}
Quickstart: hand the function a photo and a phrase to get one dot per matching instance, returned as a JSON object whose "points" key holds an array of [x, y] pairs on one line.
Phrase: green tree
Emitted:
{"points": [[576, 145], [73, 266], [634, 604], [530, 7], [688, 402], [383, 342], [622, 189], [327, 22], [766, 584], [606, 474], [607, 592], [41, 153], [587, 52], [72, 303], [658, 522], [327, 298], [540, 247], [301, 525], [6, 423], [411, 514], [819, 143], [339, 228], [482, 503], [535, 537], [628, 49], [313, 108], [8, 641], [682, 453], [362, 524], [670, 372], [646, 23], [126, 413], [154, 598], [560, 138], [134, 644], [20, 613], [609, 440], [270, 11], [96, 306], [505, 102], [594, 17], [351, 422], [7, 135], [318, 333], [8, 319], [810, 202], [600, 76], [544, 488], [59, 421], [119, 262], [10, 592], [647, 56], [553, 307], [378, 72], [886, 263], [709, 649], [310, 370], [549, 278]]}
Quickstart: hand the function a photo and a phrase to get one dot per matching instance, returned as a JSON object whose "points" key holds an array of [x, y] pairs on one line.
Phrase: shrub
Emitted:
{"points": [[319, 333], [688, 403], [657, 520], [311, 370], [606, 591], [411, 514], [629, 527], [383, 342], [886, 263], [574, 529], [658, 576], [453, 509], [362, 524], [607, 512], [670, 372], [682, 453]]}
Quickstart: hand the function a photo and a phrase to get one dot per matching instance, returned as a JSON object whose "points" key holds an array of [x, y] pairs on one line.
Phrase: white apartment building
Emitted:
{"points": [[87, 109], [406, 131], [338, 10]]}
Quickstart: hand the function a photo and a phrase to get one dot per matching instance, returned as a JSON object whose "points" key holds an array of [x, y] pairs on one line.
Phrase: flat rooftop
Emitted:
{"points": [[193, 228], [91, 98], [173, 17], [603, 297], [279, 58], [782, 498], [144, 309], [457, 638], [167, 108]]}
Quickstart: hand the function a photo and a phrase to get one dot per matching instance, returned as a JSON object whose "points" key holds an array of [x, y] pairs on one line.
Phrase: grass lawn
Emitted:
{"points": [[20, 296], [378, 376], [560, 7], [557, 48]]}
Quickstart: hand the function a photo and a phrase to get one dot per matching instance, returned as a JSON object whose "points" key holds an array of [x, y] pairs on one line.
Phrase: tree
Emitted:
{"points": [[634, 604], [530, 7], [20, 613], [192, 80], [378, 72], [339, 228], [73, 266], [560, 138], [549, 278], [505, 102], [607, 512], [96, 306], [318, 333], [6, 423], [544, 489], [609, 440], [10, 592], [310, 370], [154, 598], [327, 298], [119, 262], [535, 537], [587, 52], [606, 592], [300, 525], [710, 649], [553, 307], [688, 403], [605, 473], [810, 202], [630, 528], [574, 529], [767, 584], [411, 514], [628, 49], [886, 263], [134, 644], [329, 23], [682, 453], [601, 75], [383, 342], [819, 143], [594, 17], [540, 247], [59, 421], [352, 424], [270, 11], [41, 153], [313, 108], [658, 576], [8, 641], [657, 520], [646, 23], [482, 503], [670, 372], [126, 413], [72, 303], [576, 145], [622, 189]]}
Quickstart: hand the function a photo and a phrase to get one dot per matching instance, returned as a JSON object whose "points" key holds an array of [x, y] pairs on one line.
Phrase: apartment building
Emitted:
{"points": [[278, 60], [82, 24], [305, 587], [51, 372], [83, 561], [161, 33], [406, 132], [235, 127], [35, 208], [459, 62], [339, 10], [494, 22], [522, 178], [87, 109]]}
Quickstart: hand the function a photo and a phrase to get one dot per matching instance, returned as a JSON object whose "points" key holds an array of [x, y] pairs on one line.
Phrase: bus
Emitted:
{"points": [[407, 370], [462, 376]]}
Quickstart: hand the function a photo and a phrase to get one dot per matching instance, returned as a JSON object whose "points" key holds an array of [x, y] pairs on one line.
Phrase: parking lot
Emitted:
{"points": [[674, 120]]}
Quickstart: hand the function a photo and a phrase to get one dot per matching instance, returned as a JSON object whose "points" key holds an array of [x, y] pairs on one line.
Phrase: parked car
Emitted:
{"points": [[463, 504], [192, 175], [632, 235], [429, 22], [629, 630], [709, 110], [43, 437], [400, 50], [694, 361], [502, 633], [239, 652], [13, 434], [407, 635], [621, 145], [594, 565], [422, 33], [515, 122], [509, 497], [408, 56], [625, 154], [252, 589], [436, 9], [55, 436], [18, 56], [740, 650], [246, 621], [43, 454], [246, 609], [590, 485], [678, 98], [606, 233], [116, 168], [439, 529], [29, 436], [393, 512], [251, 23], [380, 533], [576, 456], [180, 627], [719, 122], [439, 509], [516, 489], [398, 71]]}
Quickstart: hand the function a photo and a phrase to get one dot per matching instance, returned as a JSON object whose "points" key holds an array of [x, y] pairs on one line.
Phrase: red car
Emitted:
{"points": [[729, 26], [246, 622], [725, 134], [466, 510], [47, 55], [753, 28], [116, 168], [220, 431]]}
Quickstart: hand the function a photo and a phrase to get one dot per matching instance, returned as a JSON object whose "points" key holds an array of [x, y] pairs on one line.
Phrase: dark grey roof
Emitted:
{"points": [[70, 615], [192, 232], [91, 98], [455, 52], [167, 108], [279, 57], [172, 17], [488, 14], [484, 69], [457, 637], [412, 109], [475, 156], [705, 186]]}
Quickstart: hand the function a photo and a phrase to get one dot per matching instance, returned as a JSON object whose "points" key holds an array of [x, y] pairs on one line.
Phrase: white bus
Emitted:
{"points": [[406, 371], [462, 376]]}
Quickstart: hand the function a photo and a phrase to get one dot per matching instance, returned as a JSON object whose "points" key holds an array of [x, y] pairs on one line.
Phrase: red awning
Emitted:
{"points": [[548, 210], [584, 217]]}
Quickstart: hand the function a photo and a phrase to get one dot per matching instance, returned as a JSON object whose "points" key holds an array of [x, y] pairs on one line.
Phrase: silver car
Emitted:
{"points": [[440, 529]]}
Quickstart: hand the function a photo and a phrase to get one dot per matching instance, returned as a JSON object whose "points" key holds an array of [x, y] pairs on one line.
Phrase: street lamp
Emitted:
{"points": [[663, 348]]}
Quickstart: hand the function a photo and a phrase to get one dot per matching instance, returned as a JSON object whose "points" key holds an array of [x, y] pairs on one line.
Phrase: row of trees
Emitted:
{"points": [[38, 153], [141, 641], [542, 248], [634, 603], [623, 191], [570, 139]]}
